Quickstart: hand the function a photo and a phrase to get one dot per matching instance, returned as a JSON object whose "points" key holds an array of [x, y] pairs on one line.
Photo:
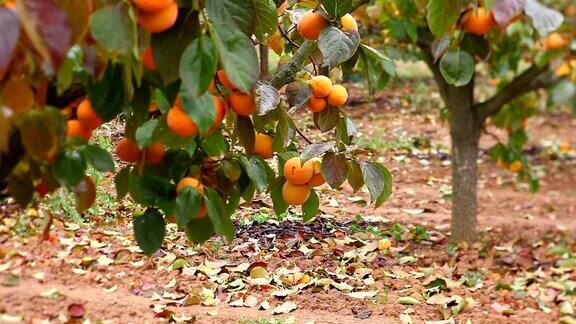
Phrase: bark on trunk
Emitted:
{"points": [[465, 132], [264, 71]]}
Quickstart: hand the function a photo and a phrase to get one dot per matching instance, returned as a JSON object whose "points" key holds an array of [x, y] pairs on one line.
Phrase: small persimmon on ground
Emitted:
{"points": [[334, 269]]}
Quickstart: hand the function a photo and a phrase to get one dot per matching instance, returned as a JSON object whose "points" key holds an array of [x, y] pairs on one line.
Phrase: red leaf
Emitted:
{"points": [[76, 310], [9, 34], [48, 28]]}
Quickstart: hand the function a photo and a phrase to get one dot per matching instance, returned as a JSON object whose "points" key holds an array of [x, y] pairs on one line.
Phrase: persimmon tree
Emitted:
{"points": [[522, 46], [201, 127]]}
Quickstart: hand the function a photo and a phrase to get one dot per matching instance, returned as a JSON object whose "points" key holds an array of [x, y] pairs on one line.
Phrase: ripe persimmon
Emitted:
{"points": [[348, 23], [148, 59], [317, 177], [180, 123], [311, 24], [154, 153], [87, 115], [263, 145], [294, 194], [338, 96], [316, 104], [321, 86], [296, 172], [478, 22], [152, 5], [242, 103], [502, 165], [127, 150], [221, 110], [224, 80], [77, 129], [564, 147], [515, 166], [554, 41], [190, 182], [160, 20]]}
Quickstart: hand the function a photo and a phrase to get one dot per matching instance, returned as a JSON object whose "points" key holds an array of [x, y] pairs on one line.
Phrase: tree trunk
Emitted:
{"points": [[465, 130], [264, 71]]}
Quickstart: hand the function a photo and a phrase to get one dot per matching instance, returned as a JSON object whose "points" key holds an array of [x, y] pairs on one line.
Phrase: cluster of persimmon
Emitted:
{"points": [[479, 21], [156, 16], [85, 122], [128, 151], [324, 93], [311, 24], [300, 179], [514, 166]]}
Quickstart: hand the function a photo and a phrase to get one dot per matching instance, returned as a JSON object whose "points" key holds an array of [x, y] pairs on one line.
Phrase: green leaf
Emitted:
{"points": [[145, 133], [374, 179], [232, 15], [98, 157], [187, 206], [222, 223], [20, 185], [200, 108], [298, 93], [69, 168], [311, 206], [337, 46], [149, 230], [387, 186], [233, 202], [457, 67], [42, 132], [198, 65], [237, 56], [150, 190], [314, 150], [377, 68], [327, 118], [256, 168], [354, 177], [112, 27], [442, 16], [267, 98], [476, 45], [284, 132], [266, 19], [169, 46], [107, 94], [122, 183], [244, 131], [199, 230], [337, 8], [334, 169], [214, 144], [276, 195]]}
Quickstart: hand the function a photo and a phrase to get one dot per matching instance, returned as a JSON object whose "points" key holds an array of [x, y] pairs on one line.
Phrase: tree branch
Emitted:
{"points": [[425, 41], [532, 79], [289, 71]]}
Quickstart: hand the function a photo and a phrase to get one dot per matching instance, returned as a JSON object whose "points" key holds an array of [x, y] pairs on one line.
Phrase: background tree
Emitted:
{"points": [[522, 45]]}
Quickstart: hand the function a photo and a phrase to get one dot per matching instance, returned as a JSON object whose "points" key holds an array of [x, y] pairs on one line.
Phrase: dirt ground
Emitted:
{"points": [[331, 270]]}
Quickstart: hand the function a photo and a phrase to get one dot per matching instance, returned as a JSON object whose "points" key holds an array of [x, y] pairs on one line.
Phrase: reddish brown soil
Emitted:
{"points": [[516, 229]]}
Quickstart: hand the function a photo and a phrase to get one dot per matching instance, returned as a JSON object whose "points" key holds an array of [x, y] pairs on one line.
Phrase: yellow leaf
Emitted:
{"points": [[276, 44]]}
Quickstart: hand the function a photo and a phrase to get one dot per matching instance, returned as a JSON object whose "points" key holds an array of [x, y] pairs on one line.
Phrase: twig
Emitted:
{"points": [[302, 135], [286, 37]]}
